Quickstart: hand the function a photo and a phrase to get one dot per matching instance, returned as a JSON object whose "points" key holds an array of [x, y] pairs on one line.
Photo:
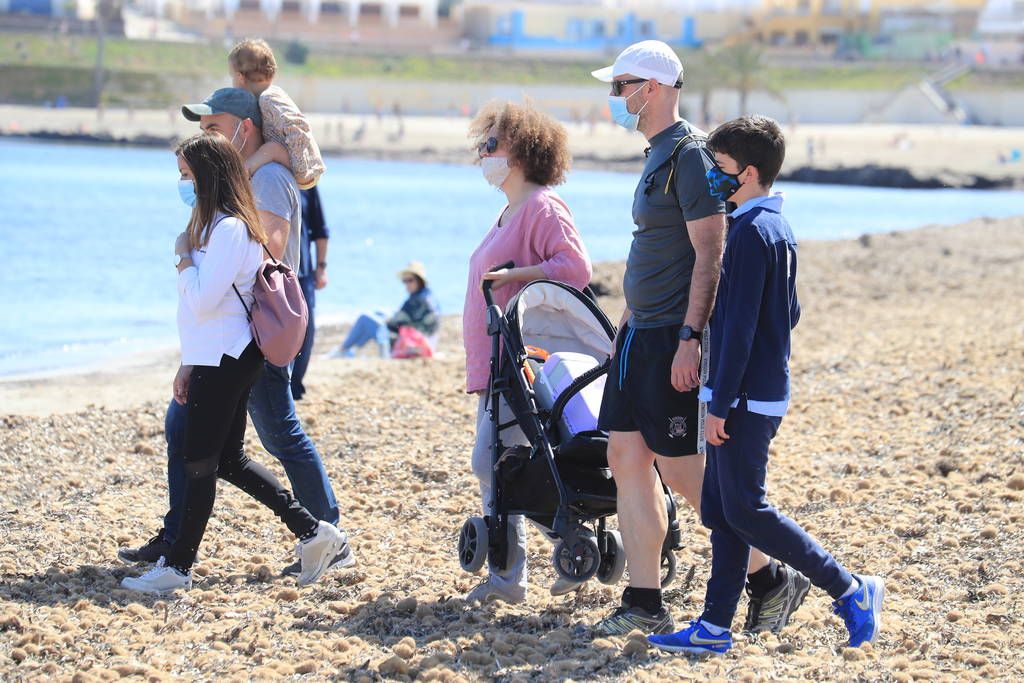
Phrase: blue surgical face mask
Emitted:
{"points": [[187, 191], [723, 185], [620, 112]]}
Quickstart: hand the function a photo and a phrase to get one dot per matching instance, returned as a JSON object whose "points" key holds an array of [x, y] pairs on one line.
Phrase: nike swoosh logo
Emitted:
{"points": [[866, 604], [698, 640]]}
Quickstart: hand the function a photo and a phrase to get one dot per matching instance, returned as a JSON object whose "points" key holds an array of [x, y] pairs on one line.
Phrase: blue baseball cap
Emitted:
{"points": [[235, 101]]}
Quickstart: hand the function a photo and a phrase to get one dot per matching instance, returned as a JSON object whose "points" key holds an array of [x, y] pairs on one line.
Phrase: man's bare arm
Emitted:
{"points": [[707, 235], [277, 232]]}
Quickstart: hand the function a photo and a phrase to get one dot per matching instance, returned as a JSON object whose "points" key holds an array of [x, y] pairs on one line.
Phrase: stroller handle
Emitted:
{"points": [[488, 299]]}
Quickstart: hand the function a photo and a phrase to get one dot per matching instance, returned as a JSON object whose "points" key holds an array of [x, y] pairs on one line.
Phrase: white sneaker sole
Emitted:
{"points": [[683, 649], [876, 604], [130, 585], [324, 561]]}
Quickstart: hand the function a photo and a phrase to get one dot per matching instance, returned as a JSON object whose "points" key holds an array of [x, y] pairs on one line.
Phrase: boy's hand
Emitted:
{"points": [[714, 430], [686, 366]]}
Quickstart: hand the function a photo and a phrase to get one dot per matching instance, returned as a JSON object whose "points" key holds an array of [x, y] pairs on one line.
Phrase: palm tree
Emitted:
{"points": [[703, 75], [743, 69]]}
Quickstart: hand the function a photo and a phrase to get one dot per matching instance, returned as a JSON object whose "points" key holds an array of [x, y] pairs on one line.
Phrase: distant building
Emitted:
{"points": [[412, 23], [74, 9], [826, 22], [1002, 19], [596, 26]]}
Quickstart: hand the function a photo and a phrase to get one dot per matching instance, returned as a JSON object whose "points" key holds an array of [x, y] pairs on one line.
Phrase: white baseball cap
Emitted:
{"points": [[650, 59]]}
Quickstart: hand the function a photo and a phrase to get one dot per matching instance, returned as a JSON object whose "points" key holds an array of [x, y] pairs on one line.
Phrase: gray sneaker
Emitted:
{"points": [[626, 619], [772, 611], [563, 586], [488, 591]]}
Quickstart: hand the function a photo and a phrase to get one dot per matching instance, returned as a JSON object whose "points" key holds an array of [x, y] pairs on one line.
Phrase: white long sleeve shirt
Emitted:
{"points": [[211, 320]]}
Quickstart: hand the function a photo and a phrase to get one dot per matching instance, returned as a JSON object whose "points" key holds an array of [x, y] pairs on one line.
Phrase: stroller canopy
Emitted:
{"points": [[556, 317]]}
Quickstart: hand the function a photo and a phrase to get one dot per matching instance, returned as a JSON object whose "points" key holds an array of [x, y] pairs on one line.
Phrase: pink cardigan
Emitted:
{"points": [[541, 233]]}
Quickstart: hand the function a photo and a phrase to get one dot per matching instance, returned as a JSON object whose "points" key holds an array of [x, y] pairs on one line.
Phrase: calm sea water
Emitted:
{"points": [[87, 238]]}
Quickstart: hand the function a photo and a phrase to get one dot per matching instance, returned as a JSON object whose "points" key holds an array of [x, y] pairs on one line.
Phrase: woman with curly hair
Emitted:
{"points": [[523, 152]]}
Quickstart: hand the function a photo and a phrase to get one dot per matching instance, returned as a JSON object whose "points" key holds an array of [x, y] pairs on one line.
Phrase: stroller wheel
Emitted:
{"points": [[668, 568], [579, 561], [613, 559], [473, 544]]}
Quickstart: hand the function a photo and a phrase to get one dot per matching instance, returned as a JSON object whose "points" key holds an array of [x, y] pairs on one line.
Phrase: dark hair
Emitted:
{"points": [[222, 184], [752, 141], [536, 142]]}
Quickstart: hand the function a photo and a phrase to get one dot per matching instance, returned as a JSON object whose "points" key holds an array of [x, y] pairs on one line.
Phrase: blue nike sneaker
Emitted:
{"points": [[695, 639], [862, 611]]}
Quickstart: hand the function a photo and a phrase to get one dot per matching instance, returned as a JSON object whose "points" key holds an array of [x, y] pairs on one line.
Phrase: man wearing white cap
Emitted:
{"points": [[650, 406]]}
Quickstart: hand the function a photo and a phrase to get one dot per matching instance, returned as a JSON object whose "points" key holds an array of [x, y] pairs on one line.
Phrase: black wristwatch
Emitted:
{"points": [[686, 333]]}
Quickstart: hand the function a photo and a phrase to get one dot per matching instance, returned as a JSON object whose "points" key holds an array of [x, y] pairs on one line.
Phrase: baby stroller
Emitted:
{"points": [[550, 353]]}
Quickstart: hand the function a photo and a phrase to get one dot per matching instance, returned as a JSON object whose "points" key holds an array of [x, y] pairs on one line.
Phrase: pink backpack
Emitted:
{"points": [[279, 315]]}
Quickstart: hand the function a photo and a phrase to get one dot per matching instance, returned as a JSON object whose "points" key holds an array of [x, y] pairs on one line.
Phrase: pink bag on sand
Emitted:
{"points": [[279, 314], [411, 344]]}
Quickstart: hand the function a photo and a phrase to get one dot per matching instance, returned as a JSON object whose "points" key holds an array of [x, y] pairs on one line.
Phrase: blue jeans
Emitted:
{"points": [[367, 328], [301, 361], [273, 414], [734, 505]]}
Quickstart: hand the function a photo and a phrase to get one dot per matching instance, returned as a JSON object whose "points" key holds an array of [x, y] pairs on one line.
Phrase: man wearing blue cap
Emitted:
{"points": [[235, 114], [650, 406]]}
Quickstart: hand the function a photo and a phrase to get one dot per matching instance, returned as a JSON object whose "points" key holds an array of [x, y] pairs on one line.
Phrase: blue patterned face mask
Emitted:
{"points": [[620, 112], [187, 192], [723, 185]]}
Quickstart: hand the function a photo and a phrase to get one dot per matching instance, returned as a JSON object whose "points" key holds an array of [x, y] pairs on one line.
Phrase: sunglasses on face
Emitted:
{"points": [[488, 146], [408, 280], [617, 85]]}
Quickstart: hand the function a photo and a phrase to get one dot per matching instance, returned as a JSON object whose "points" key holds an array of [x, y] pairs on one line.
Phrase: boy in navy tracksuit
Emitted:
{"points": [[747, 394]]}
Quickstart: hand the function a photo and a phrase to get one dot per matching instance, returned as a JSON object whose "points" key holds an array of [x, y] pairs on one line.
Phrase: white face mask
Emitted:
{"points": [[235, 134], [495, 170]]}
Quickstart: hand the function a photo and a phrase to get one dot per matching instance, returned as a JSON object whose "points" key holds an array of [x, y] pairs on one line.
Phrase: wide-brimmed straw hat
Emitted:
{"points": [[414, 268]]}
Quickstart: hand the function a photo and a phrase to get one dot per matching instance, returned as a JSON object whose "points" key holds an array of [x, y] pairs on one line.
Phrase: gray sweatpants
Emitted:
{"points": [[511, 578]]}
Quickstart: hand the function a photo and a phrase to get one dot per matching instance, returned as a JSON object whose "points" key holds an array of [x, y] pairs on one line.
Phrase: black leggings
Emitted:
{"points": [[214, 432]]}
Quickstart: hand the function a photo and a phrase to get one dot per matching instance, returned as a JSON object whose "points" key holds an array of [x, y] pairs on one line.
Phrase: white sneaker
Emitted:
{"points": [[563, 586], [160, 580], [488, 591], [315, 554]]}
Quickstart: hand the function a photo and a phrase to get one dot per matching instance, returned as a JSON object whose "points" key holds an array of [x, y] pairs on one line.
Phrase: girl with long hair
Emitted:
{"points": [[218, 256]]}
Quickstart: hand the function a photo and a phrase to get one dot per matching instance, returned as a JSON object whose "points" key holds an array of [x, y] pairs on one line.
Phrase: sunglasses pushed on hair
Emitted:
{"points": [[490, 145]]}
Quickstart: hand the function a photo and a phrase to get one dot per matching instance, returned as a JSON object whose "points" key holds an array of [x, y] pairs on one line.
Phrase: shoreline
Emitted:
{"points": [[866, 175], [33, 391]]}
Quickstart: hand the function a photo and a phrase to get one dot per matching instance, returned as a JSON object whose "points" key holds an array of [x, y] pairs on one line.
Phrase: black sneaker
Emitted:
{"points": [[626, 619], [344, 558], [153, 550], [771, 611]]}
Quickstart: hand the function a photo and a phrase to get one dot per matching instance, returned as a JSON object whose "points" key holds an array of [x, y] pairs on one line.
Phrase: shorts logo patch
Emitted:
{"points": [[677, 427]]}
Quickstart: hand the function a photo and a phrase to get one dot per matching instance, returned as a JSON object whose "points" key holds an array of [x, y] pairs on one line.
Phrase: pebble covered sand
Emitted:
{"points": [[903, 452]]}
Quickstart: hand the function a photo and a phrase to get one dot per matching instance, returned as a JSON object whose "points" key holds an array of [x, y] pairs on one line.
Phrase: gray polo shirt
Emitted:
{"points": [[276, 192], [660, 263]]}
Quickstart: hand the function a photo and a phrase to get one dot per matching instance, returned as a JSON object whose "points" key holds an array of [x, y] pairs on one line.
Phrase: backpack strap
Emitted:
{"points": [[671, 160]]}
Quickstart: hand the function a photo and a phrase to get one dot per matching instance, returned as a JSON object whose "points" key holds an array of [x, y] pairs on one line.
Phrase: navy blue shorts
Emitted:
{"points": [[639, 396]]}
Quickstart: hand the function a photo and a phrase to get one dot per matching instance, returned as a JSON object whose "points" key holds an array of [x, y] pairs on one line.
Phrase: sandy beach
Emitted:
{"points": [[952, 156], [903, 453]]}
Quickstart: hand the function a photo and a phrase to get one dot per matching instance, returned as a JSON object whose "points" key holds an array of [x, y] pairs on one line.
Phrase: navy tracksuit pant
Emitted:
{"points": [[735, 507]]}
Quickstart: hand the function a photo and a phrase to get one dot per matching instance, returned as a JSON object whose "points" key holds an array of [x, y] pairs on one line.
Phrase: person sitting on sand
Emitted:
{"points": [[420, 312], [218, 256], [523, 153]]}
